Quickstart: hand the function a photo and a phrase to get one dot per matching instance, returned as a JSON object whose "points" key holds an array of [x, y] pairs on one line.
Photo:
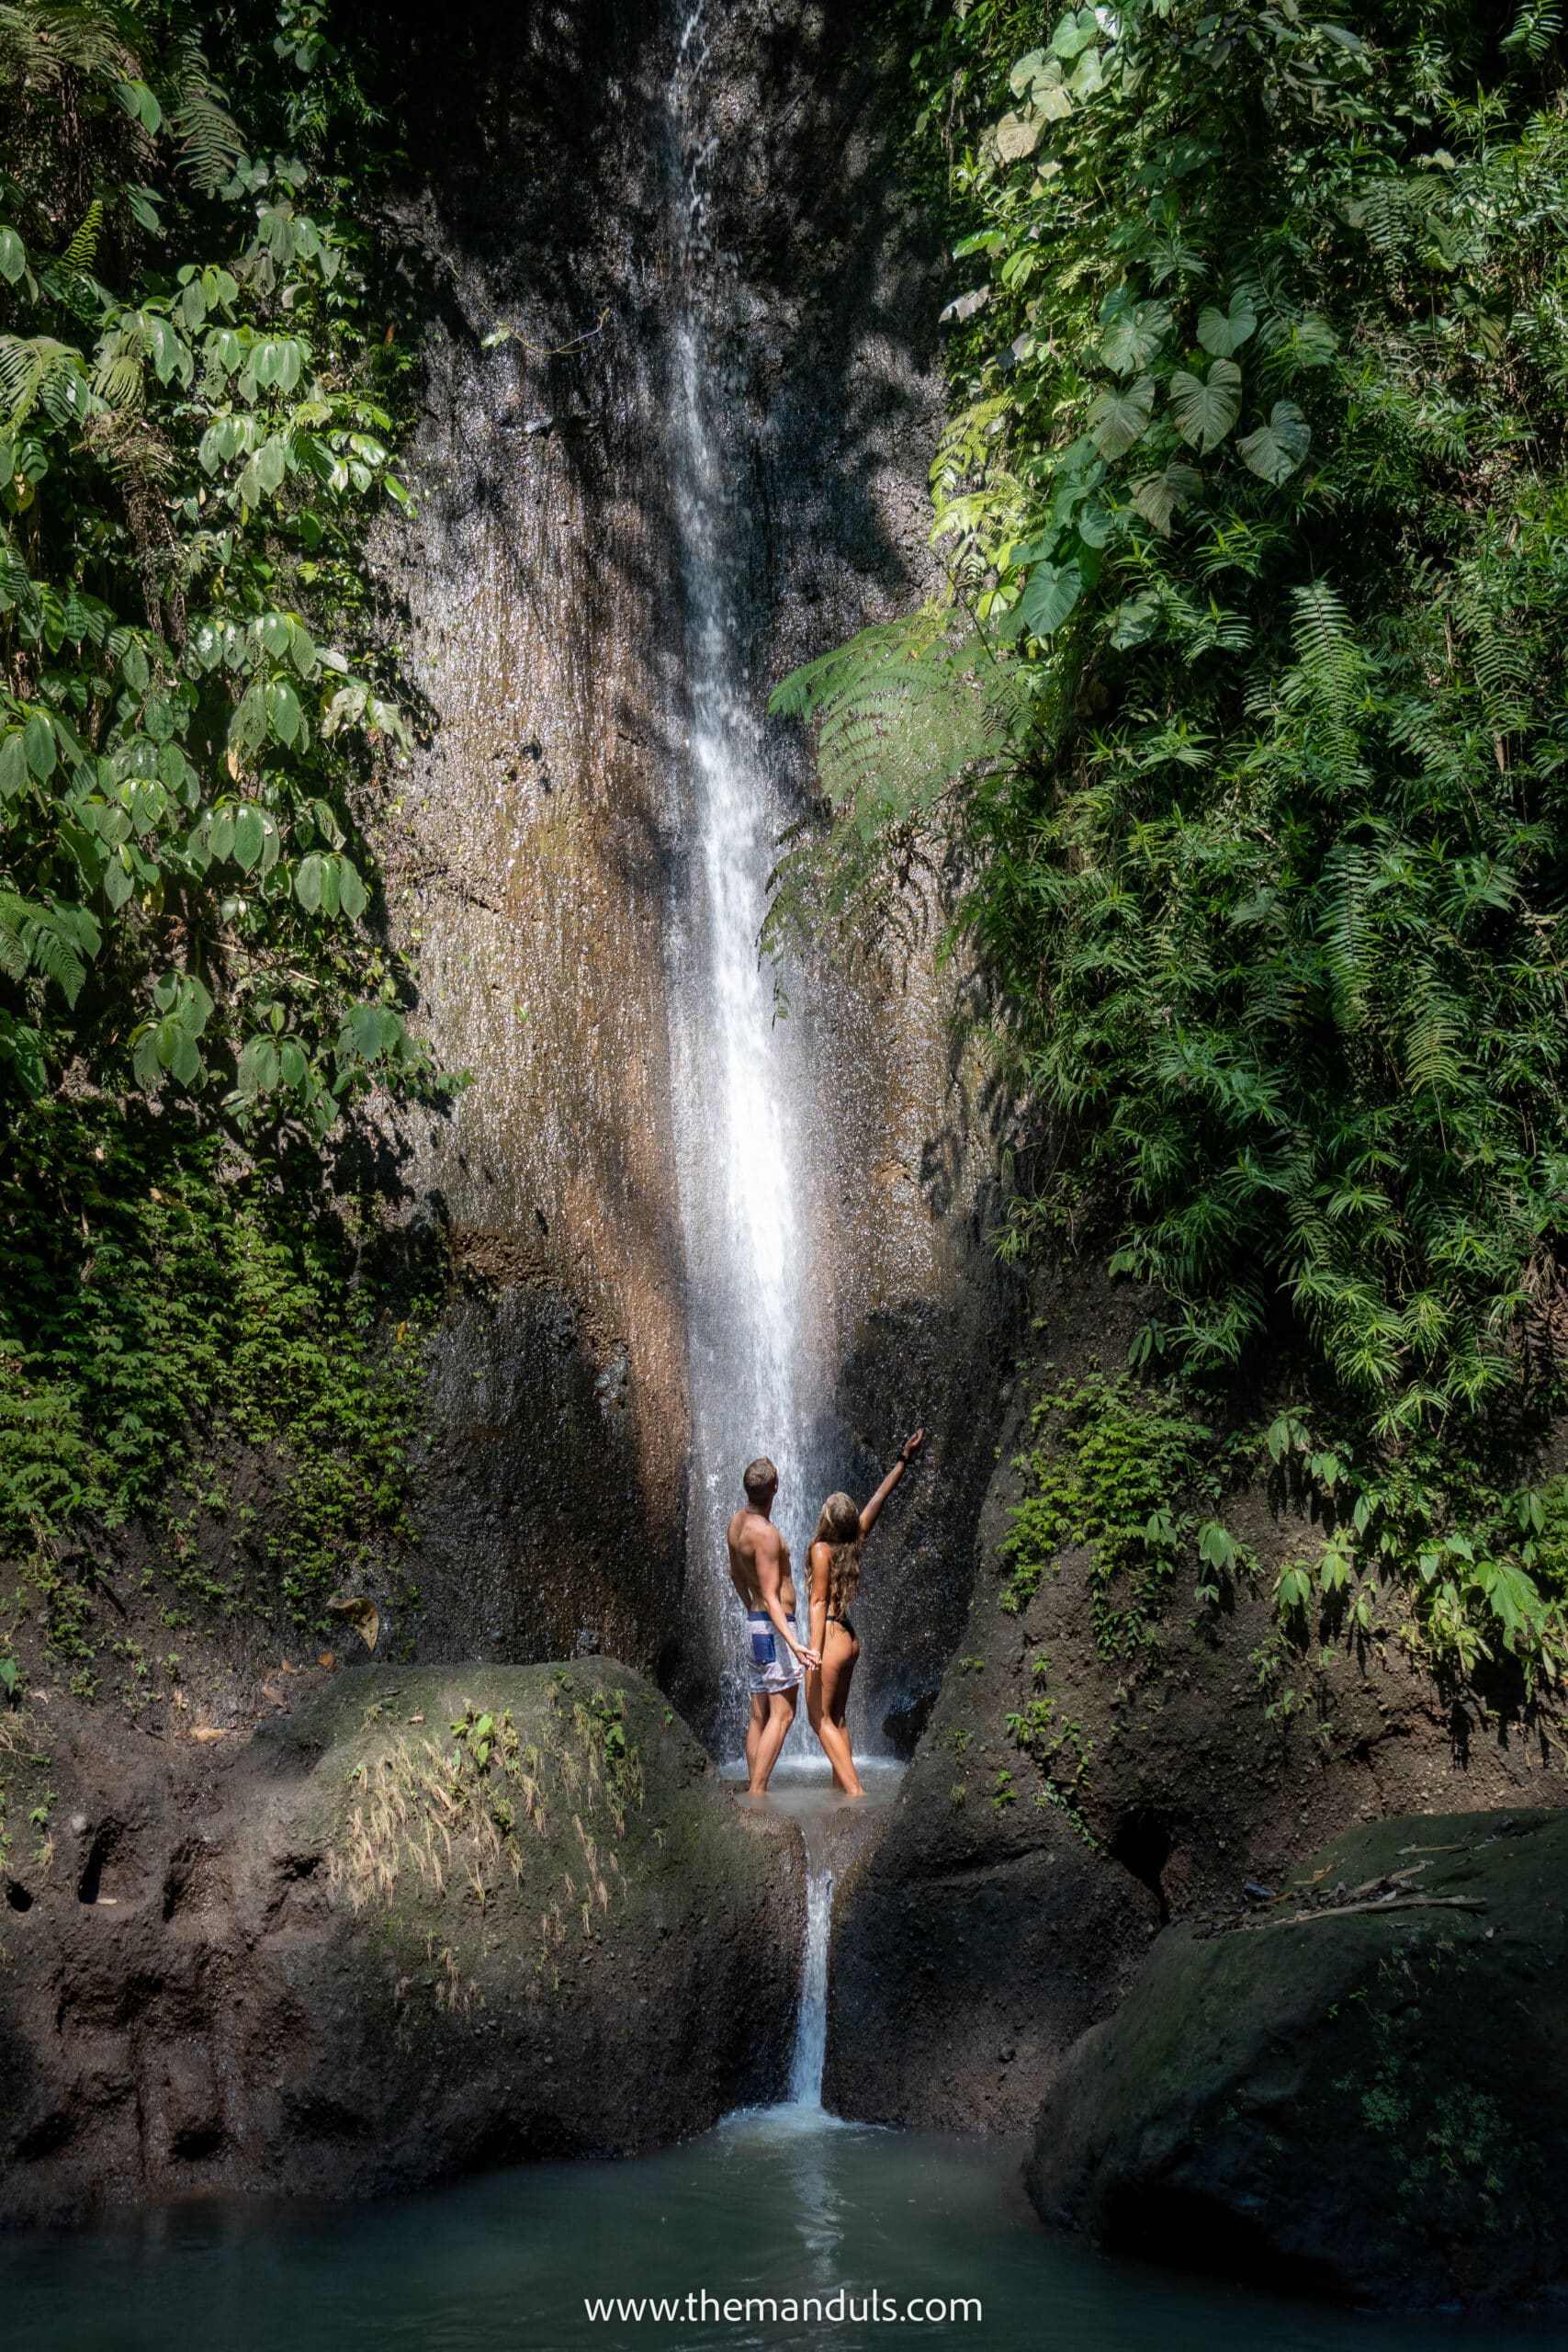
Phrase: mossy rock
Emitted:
{"points": [[436, 1918], [1369, 2103]]}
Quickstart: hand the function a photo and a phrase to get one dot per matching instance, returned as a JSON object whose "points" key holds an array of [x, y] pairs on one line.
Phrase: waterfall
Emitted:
{"points": [[811, 2025], [741, 1087]]}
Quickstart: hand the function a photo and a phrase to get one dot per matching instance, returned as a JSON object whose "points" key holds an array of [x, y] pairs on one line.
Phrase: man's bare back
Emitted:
{"points": [[752, 1535], [760, 1570]]}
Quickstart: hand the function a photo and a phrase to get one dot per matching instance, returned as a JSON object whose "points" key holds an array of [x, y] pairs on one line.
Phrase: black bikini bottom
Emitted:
{"points": [[847, 1626]]}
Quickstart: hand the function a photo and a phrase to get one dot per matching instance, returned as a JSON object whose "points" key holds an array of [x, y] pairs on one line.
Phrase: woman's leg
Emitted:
{"points": [[838, 1703], [838, 1655]]}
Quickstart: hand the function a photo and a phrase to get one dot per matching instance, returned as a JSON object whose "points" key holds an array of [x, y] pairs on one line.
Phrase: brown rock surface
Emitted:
{"points": [[357, 1951]]}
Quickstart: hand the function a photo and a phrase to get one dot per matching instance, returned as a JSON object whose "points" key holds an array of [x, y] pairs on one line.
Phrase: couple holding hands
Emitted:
{"points": [[760, 1567]]}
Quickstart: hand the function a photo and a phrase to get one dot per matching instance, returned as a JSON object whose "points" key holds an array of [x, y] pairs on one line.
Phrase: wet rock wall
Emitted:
{"points": [[542, 838]]}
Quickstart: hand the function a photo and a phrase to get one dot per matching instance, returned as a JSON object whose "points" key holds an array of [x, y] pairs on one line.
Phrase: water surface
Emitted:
{"points": [[778, 2204]]}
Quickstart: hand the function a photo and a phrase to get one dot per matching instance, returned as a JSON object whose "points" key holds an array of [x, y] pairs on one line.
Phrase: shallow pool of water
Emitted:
{"points": [[772, 2205]]}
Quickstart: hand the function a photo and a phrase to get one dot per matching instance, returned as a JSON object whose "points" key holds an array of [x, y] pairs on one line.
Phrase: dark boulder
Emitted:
{"points": [[1360, 2090], [433, 1919]]}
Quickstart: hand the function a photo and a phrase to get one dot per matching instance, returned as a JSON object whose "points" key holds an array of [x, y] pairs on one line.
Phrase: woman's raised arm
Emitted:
{"points": [[911, 1446]]}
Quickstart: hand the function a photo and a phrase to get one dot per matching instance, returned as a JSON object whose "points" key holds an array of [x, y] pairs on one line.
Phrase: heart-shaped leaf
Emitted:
{"points": [[1019, 135], [1075, 32], [1135, 621], [1088, 76], [1277, 449], [1160, 496], [1052, 591], [1118, 419], [1205, 409], [1222, 332], [1132, 337]]}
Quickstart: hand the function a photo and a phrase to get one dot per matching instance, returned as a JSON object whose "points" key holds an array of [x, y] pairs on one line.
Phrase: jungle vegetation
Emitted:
{"points": [[199, 714], [1237, 740]]}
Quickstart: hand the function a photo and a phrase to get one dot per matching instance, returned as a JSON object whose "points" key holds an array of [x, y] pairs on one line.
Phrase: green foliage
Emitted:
{"points": [[188, 699], [1123, 1469], [196, 719], [166, 1315], [1491, 1559], [1060, 1750], [1252, 508]]}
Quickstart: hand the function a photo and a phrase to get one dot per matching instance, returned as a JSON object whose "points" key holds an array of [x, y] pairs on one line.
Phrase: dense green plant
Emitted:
{"points": [[1239, 730], [196, 715], [213, 1312], [186, 452], [1123, 1470]]}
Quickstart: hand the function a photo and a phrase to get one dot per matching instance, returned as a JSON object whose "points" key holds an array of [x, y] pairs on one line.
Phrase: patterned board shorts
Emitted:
{"points": [[773, 1668]]}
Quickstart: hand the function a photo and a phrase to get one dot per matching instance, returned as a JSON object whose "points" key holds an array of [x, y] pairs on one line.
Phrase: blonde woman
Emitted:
{"points": [[835, 1559]]}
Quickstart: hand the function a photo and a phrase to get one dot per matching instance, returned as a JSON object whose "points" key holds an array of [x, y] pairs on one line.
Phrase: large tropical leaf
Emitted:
{"points": [[1206, 407], [1277, 449], [1117, 419]]}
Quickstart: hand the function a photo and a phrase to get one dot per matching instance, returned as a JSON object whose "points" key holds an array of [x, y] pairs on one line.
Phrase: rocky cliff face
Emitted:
{"points": [[543, 842], [1020, 1884], [430, 1920]]}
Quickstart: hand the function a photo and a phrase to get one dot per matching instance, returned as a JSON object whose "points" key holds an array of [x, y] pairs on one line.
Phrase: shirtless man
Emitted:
{"points": [[759, 1564]]}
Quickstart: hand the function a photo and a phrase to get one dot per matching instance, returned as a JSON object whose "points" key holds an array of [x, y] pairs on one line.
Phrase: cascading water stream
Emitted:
{"points": [[811, 2027], [743, 1095]]}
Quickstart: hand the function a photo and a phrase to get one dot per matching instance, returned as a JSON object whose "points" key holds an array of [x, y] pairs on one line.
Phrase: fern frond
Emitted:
{"points": [[210, 139], [77, 259], [38, 368], [902, 715], [41, 45]]}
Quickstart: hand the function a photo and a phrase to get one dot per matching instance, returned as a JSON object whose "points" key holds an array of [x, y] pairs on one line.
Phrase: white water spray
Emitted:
{"points": [[739, 1088]]}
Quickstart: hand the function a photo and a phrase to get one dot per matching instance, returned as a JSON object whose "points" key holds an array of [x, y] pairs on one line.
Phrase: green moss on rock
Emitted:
{"points": [[1364, 2098]]}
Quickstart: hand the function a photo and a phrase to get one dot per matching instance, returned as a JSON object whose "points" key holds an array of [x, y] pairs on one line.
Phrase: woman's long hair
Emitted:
{"points": [[839, 1528]]}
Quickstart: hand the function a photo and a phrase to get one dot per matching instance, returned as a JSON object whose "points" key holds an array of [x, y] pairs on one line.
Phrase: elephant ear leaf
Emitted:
{"points": [[1052, 592], [1159, 497], [1277, 449], [1206, 407], [1224, 332], [1119, 418], [1133, 336]]}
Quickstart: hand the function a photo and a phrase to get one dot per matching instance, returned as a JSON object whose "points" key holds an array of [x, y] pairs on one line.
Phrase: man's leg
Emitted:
{"points": [[781, 1715], [755, 1721]]}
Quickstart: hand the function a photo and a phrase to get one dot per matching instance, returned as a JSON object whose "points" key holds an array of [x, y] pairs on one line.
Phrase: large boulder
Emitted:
{"points": [[1359, 2089], [433, 1918]]}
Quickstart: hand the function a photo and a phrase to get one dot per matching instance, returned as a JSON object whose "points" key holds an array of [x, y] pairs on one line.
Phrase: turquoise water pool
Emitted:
{"points": [[780, 2204]]}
